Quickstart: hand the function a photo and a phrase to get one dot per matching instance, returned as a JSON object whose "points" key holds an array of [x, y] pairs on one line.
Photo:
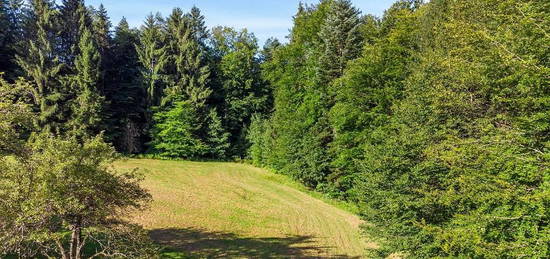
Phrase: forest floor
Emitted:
{"points": [[218, 210]]}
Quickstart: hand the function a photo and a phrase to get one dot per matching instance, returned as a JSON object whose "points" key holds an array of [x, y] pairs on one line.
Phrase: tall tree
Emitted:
{"points": [[341, 39], [124, 92], [242, 88], [102, 34], [190, 72], [41, 65], [88, 104], [72, 13], [153, 57], [11, 35], [197, 25]]}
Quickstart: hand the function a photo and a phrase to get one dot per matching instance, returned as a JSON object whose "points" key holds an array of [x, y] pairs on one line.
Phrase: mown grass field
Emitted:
{"points": [[211, 209]]}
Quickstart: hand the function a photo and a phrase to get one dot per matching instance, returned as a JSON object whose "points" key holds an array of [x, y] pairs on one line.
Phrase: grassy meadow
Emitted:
{"points": [[212, 209]]}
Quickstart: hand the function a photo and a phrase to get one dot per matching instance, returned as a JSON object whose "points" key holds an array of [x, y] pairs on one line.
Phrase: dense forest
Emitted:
{"points": [[434, 120]]}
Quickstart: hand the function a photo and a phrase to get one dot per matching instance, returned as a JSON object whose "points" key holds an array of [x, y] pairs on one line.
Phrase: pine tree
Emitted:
{"points": [[189, 72], [88, 104], [124, 93], [153, 57], [72, 13], [41, 65], [11, 24], [341, 38], [102, 29], [197, 26], [102, 34]]}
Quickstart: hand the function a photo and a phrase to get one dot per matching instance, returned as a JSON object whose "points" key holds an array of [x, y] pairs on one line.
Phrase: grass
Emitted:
{"points": [[213, 209]]}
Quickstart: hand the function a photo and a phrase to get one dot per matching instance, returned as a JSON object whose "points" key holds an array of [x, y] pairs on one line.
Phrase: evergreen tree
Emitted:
{"points": [[187, 74], [72, 13], [125, 95], [152, 54], [217, 138], [11, 25], [88, 104], [189, 71], [41, 65], [341, 38], [102, 30], [102, 35], [198, 28]]}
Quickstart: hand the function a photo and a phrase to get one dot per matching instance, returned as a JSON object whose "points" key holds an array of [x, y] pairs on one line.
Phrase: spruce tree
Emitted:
{"points": [[197, 26], [71, 15], [11, 25], [190, 72], [153, 57], [124, 92], [341, 38], [102, 35], [88, 104], [185, 94], [41, 65], [102, 29]]}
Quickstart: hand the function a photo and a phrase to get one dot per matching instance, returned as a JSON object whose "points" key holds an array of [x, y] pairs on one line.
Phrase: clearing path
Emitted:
{"points": [[215, 210]]}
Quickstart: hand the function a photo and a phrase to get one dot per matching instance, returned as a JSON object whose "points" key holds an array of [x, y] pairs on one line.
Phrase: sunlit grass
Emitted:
{"points": [[229, 210]]}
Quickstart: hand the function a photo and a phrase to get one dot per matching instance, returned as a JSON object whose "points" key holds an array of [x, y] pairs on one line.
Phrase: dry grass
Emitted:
{"points": [[235, 210]]}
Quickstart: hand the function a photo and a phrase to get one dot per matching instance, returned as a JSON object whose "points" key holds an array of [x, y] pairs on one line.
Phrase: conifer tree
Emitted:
{"points": [[87, 106], [71, 16], [341, 38], [152, 54], [197, 25], [190, 72], [102, 29], [102, 35], [124, 93], [185, 94], [11, 25], [41, 65]]}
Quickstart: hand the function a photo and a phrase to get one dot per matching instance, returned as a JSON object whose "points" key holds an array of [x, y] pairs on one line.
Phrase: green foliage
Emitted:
{"points": [[41, 66], [61, 195], [88, 104], [175, 132], [438, 130], [340, 37], [124, 94], [455, 172], [242, 89], [11, 25], [217, 137], [16, 118], [153, 58]]}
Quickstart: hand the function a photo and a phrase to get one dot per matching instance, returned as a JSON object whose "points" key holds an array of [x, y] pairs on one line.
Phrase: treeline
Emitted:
{"points": [[434, 120], [172, 88]]}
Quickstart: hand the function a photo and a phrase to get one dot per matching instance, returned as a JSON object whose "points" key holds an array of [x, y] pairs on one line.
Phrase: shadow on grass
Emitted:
{"points": [[206, 244]]}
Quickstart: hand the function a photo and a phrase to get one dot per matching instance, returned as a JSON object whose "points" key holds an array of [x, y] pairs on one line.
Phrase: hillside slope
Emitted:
{"points": [[235, 210]]}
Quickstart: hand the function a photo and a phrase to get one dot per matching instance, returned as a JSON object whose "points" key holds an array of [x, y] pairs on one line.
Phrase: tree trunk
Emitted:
{"points": [[76, 239]]}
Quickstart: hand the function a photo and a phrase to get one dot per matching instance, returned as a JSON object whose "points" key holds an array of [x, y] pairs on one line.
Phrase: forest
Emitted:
{"points": [[433, 120]]}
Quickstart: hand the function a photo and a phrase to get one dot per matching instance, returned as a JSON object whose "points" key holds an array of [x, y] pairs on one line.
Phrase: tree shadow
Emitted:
{"points": [[209, 244]]}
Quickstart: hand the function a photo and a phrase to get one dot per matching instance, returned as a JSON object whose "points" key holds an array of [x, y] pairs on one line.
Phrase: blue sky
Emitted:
{"points": [[265, 18]]}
